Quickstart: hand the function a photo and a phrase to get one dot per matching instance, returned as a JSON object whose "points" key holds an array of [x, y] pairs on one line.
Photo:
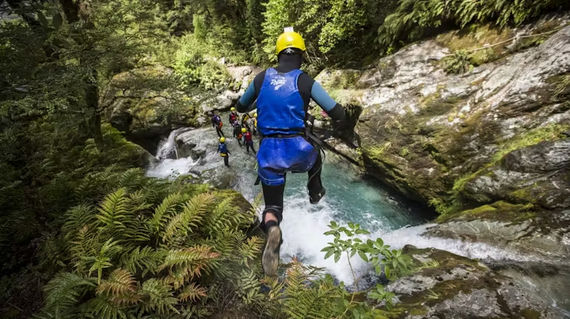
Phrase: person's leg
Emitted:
{"points": [[272, 216], [315, 185], [227, 160], [273, 197]]}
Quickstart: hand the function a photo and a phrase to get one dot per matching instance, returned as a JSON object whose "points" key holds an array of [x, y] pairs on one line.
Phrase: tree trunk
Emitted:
{"points": [[94, 120]]}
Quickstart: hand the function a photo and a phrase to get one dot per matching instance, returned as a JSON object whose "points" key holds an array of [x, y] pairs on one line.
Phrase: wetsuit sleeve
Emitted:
{"points": [[321, 97], [246, 101], [327, 103]]}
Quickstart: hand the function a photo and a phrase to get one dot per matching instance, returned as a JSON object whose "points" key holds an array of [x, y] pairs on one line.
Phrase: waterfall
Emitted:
{"points": [[167, 148], [170, 165]]}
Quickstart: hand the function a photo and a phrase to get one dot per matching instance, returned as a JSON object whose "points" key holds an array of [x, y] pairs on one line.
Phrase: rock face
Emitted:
{"points": [[450, 286], [500, 132], [146, 104], [488, 149]]}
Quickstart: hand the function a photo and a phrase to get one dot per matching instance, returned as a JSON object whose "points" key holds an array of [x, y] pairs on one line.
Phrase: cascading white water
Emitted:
{"points": [[167, 148]]}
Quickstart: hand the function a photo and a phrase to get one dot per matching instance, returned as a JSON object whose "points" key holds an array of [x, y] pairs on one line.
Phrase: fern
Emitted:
{"points": [[192, 292], [192, 214], [146, 259], [112, 213], [63, 293], [75, 219], [158, 296], [103, 259], [164, 210], [186, 264], [120, 282]]}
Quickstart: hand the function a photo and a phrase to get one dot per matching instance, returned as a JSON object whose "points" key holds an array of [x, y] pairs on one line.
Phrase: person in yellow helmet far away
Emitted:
{"points": [[223, 150]]}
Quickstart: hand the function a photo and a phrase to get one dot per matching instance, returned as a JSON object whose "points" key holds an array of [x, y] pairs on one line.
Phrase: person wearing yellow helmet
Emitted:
{"points": [[223, 150], [283, 94], [248, 140], [233, 117]]}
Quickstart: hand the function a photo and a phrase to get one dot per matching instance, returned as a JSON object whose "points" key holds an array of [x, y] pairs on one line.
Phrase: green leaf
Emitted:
{"points": [[57, 20], [363, 256], [336, 257], [42, 19]]}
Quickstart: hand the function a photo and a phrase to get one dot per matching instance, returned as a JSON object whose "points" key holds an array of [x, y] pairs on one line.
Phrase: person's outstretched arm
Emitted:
{"points": [[246, 101], [328, 104]]}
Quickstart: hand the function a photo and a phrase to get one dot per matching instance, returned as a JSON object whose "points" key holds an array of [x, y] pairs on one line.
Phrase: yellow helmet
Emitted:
{"points": [[233, 108], [289, 39], [243, 130], [222, 139]]}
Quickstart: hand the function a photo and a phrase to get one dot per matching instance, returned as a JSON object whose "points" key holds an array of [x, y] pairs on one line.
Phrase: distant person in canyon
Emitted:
{"points": [[283, 94], [224, 152], [237, 132], [233, 117], [248, 140], [217, 123]]}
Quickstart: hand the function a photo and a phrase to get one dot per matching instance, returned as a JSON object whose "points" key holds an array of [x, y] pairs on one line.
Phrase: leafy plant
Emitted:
{"points": [[458, 62], [150, 255]]}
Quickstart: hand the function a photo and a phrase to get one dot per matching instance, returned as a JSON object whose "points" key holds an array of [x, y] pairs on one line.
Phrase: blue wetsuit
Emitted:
{"points": [[283, 95]]}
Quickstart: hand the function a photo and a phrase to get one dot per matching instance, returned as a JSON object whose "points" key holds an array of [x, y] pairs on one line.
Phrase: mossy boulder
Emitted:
{"points": [[144, 103], [445, 285], [457, 142]]}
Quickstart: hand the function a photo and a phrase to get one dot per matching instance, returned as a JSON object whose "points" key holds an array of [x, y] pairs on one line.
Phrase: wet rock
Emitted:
{"points": [[461, 141], [450, 286], [145, 104], [208, 166], [522, 232]]}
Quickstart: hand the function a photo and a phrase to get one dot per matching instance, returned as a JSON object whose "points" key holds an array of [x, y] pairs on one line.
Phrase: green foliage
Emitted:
{"points": [[195, 66], [148, 254], [332, 28], [391, 262], [459, 62], [414, 19], [306, 292]]}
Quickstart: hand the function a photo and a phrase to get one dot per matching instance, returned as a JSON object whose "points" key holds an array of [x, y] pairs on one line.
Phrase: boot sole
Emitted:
{"points": [[270, 258], [319, 197]]}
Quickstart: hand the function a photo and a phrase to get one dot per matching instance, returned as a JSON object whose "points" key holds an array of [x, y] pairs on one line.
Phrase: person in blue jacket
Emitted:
{"points": [[223, 150], [283, 94]]}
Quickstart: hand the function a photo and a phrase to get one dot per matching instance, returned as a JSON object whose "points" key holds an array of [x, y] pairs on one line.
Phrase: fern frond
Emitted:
{"points": [[112, 212], [158, 297], [146, 259], [120, 282], [190, 217], [75, 218], [250, 249], [163, 211], [186, 264], [104, 307], [85, 244], [64, 291], [192, 292]]}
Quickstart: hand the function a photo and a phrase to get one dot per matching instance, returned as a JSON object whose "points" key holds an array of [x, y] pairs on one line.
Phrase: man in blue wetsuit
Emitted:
{"points": [[283, 94]]}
